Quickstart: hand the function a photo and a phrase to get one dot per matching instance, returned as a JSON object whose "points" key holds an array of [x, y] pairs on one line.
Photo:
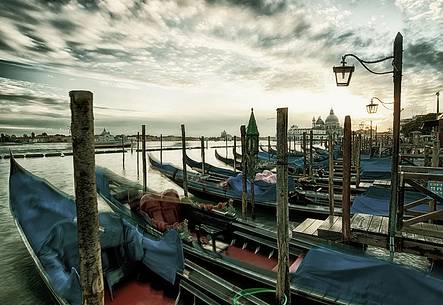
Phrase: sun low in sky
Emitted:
{"points": [[206, 63]]}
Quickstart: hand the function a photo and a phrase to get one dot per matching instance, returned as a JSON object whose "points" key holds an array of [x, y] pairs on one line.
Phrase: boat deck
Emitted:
{"points": [[421, 238]]}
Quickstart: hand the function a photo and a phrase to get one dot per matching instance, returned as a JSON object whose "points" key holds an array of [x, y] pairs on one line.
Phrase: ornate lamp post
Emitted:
{"points": [[371, 108], [343, 75]]}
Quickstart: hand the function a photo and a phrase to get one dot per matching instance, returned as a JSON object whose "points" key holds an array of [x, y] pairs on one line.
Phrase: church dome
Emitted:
{"points": [[332, 118]]}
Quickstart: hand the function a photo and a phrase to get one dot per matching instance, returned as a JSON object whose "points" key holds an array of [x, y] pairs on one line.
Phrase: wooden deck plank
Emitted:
{"points": [[304, 225], [375, 224], [312, 230], [365, 223], [384, 228], [356, 220], [327, 224]]}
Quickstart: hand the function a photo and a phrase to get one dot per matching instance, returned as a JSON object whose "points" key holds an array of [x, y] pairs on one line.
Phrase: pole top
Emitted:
{"points": [[78, 94]]}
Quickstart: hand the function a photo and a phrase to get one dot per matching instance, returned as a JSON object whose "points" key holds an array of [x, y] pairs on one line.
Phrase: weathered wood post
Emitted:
{"points": [[346, 193], [202, 150], [185, 172], [331, 177], [145, 176], [304, 153], [311, 150], [393, 203], [269, 148], [132, 146], [161, 149], [289, 144], [123, 152], [357, 166], [234, 153], [282, 207], [138, 158], [244, 195], [226, 145], [82, 130], [207, 143]]}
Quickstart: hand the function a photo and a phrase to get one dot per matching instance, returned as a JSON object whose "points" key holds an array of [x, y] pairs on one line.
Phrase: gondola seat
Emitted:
{"points": [[163, 210]]}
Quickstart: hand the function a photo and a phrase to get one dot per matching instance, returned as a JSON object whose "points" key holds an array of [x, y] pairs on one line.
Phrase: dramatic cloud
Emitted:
{"points": [[186, 60]]}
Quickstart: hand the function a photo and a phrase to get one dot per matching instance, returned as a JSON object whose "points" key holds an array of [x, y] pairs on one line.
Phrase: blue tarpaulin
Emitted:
{"points": [[375, 168], [359, 279], [48, 219], [375, 201]]}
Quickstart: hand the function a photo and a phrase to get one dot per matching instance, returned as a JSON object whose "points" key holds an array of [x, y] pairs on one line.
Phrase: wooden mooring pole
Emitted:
{"points": [[346, 193], [138, 158], [234, 152], [244, 195], [304, 154], [311, 151], [282, 208], [161, 149], [269, 148], [226, 145], [145, 176], [82, 130], [202, 151], [123, 153], [185, 173], [331, 177]]}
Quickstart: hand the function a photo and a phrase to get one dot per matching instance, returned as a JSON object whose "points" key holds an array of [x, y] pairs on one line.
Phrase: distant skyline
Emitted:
{"points": [[207, 63]]}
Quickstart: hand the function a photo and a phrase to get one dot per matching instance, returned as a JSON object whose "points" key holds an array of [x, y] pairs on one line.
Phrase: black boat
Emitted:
{"points": [[46, 221], [322, 274], [215, 188]]}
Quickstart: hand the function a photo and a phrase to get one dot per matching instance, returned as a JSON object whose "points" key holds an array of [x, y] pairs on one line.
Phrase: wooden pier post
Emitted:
{"points": [[185, 173], [269, 148], [132, 148], [207, 143], [304, 153], [311, 149], [145, 177], [295, 147], [82, 130], [226, 145], [346, 193], [282, 207], [138, 158], [123, 152], [202, 150], [234, 152], [289, 144], [331, 177], [161, 149], [244, 195], [357, 165]]}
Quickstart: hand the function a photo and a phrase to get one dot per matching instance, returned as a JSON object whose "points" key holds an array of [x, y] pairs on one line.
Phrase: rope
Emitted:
{"points": [[251, 291]]}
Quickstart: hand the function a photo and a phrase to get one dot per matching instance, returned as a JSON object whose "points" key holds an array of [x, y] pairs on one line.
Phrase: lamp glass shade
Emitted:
{"points": [[343, 74], [372, 107]]}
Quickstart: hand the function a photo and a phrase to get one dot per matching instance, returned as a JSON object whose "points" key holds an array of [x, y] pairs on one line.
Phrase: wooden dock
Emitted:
{"points": [[421, 239]]}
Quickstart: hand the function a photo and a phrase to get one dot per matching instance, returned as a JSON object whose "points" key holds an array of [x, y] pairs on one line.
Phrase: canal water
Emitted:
{"points": [[21, 283]]}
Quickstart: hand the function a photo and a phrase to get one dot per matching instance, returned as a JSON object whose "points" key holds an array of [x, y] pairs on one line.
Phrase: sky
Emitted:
{"points": [[207, 63]]}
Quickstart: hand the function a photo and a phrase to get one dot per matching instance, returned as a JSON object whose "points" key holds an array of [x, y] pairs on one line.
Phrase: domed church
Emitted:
{"points": [[331, 124]]}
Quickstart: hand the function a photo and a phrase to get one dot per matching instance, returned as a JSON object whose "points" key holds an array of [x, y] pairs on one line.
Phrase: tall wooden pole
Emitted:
{"points": [[132, 147], [145, 177], [311, 150], [185, 172], [269, 148], [234, 152], [304, 153], [226, 145], [393, 204], [244, 195], [357, 165], [202, 150], [138, 158], [346, 193], [161, 149], [123, 152], [282, 207], [331, 177], [82, 130]]}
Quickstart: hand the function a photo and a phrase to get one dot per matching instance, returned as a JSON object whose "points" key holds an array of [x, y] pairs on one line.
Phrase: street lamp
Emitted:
{"points": [[397, 63], [372, 107]]}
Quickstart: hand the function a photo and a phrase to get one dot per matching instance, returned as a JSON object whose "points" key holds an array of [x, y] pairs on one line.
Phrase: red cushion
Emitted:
{"points": [[170, 203]]}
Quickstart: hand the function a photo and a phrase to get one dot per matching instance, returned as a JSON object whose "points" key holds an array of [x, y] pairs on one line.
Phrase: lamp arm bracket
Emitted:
{"points": [[364, 62]]}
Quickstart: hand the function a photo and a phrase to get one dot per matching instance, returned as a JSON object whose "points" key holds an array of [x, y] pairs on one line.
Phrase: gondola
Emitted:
{"points": [[228, 161], [216, 189], [318, 274], [273, 152], [138, 268], [46, 221], [209, 168]]}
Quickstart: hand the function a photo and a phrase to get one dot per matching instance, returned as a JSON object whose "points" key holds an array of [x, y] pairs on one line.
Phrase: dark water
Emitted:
{"points": [[20, 282]]}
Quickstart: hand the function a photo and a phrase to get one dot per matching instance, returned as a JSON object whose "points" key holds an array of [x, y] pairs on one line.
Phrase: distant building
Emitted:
{"points": [[224, 135], [321, 129], [104, 137]]}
